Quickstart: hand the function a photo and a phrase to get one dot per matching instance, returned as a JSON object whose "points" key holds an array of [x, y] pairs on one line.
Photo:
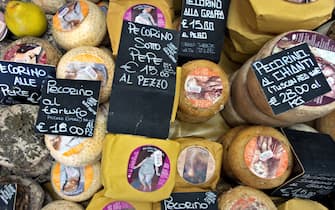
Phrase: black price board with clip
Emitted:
{"points": [[202, 29], [313, 176], [20, 83], [290, 78], [8, 196], [68, 107], [144, 81], [191, 200]]}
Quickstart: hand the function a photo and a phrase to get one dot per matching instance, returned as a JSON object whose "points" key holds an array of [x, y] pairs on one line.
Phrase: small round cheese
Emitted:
{"points": [[326, 124], [260, 157], [299, 204], [62, 204], [49, 7], [242, 197], [76, 183], [204, 91], [88, 63], [79, 23], [79, 151]]}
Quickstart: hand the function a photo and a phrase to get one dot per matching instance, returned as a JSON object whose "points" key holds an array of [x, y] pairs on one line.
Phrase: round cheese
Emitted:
{"points": [[204, 91], [298, 204], [31, 50], [88, 63], [242, 197], [75, 183], [79, 151], [326, 124], [20, 146], [99, 201], [150, 12], [41, 170], [232, 53], [79, 23], [260, 157], [279, 16], [49, 7], [198, 164], [62, 204], [145, 168]]}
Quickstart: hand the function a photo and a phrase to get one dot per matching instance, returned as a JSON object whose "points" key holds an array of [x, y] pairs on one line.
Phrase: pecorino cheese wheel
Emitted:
{"points": [[20, 146], [204, 91], [88, 63], [76, 183], [315, 108], [260, 157], [31, 50], [326, 124], [242, 197], [297, 204], [79, 151], [198, 164], [62, 204], [79, 23]]}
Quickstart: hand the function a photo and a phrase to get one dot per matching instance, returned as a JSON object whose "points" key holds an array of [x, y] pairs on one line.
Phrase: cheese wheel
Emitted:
{"points": [[88, 63], [298, 204], [198, 164], [245, 39], [49, 7], [260, 157], [326, 124], [76, 183], [41, 170], [279, 16], [226, 141], [99, 201], [79, 151], [204, 91], [20, 146], [150, 12], [145, 168], [242, 197], [232, 53], [62, 204], [315, 108], [31, 50], [79, 23]]}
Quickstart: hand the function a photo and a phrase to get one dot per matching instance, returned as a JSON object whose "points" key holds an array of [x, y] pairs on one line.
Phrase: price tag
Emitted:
{"points": [[8, 196], [194, 200], [68, 107], [290, 78], [20, 83], [144, 81]]}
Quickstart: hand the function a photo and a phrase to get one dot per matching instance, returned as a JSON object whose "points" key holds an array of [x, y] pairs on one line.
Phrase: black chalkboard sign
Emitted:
{"points": [[202, 29], [8, 196], [144, 81], [68, 107], [194, 200], [20, 83], [290, 78], [316, 154]]}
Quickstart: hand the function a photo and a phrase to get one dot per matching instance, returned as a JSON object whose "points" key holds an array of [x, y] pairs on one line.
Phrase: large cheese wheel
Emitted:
{"points": [[245, 39], [326, 124], [198, 164], [315, 108], [62, 204], [138, 168], [99, 201], [149, 12], [298, 204], [76, 183], [79, 23], [242, 197], [79, 151], [232, 53], [31, 50], [88, 63], [278, 16], [260, 157], [204, 91]]}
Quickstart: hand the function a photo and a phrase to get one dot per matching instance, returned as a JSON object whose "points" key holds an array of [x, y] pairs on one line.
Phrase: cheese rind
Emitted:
{"points": [[62, 204], [297, 204], [326, 124]]}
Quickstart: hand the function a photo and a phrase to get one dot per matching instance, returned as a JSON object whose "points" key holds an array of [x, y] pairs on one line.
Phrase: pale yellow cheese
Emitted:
{"points": [[301, 204], [62, 205]]}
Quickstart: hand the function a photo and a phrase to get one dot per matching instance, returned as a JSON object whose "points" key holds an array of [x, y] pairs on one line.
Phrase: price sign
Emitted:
{"points": [[8, 196]]}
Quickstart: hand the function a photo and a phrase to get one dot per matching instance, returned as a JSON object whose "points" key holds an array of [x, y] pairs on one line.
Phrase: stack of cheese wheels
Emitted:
{"points": [[326, 124], [88, 63], [324, 54], [62, 204], [80, 151], [79, 23], [278, 16], [204, 91], [76, 183], [257, 156], [242, 197], [198, 164], [137, 11]]}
